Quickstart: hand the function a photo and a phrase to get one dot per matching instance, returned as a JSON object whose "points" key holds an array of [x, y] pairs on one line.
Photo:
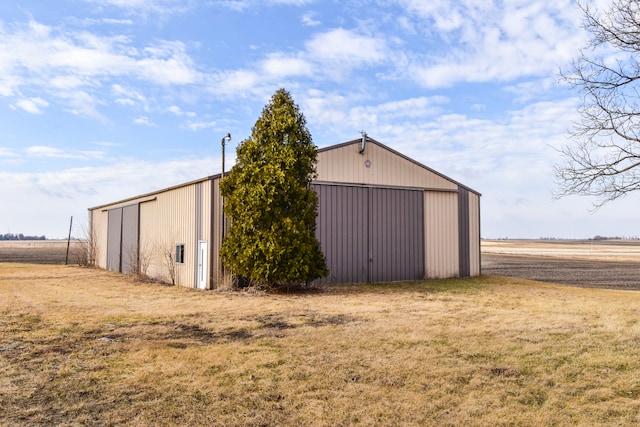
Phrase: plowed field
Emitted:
{"points": [[589, 264]]}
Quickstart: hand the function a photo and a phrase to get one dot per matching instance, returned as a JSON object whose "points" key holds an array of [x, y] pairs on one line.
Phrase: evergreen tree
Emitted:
{"points": [[270, 203]]}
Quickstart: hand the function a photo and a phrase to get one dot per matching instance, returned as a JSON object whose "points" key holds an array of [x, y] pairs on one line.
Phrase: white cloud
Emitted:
{"points": [[196, 126], [291, 2], [347, 48], [488, 42], [346, 113], [129, 96], [84, 104], [166, 63], [144, 121], [46, 151], [73, 66], [234, 83], [7, 152], [178, 111], [32, 105], [309, 20], [145, 7], [326, 57], [279, 66], [71, 191]]}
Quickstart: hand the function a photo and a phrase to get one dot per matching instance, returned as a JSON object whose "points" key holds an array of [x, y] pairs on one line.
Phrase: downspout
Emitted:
{"points": [[226, 138]]}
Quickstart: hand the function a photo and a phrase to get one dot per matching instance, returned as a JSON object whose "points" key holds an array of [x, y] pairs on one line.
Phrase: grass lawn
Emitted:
{"points": [[88, 347]]}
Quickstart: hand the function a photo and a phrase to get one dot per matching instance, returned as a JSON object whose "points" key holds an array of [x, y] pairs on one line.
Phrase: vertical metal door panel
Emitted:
{"points": [[397, 218], [129, 252], [341, 228], [463, 226], [114, 239]]}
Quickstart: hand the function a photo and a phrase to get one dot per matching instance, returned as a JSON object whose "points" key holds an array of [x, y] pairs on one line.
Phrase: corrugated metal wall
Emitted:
{"points": [[98, 226], [469, 238], [463, 233], [474, 235], [370, 234], [165, 222], [376, 166], [441, 234]]}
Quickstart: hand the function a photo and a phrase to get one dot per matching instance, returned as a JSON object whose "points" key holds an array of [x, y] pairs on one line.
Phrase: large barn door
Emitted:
{"points": [[130, 255], [122, 239], [370, 234], [114, 239]]}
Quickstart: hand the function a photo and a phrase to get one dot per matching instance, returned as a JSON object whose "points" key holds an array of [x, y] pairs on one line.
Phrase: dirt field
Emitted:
{"points": [[38, 251], [590, 264]]}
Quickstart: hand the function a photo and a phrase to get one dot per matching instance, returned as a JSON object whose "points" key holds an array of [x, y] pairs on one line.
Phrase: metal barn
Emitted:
{"points": [[381, 217]]}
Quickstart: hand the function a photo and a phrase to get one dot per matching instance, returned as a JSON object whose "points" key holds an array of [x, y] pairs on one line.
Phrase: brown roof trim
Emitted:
{"points": [[393, 187], [381, 145]]}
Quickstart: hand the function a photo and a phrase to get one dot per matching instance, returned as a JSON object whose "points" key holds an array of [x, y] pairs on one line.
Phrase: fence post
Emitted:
{"points": [[66, 259]]}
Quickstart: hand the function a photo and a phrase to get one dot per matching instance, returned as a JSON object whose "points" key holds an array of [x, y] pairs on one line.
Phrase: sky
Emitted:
{"points": [[101, 100]]}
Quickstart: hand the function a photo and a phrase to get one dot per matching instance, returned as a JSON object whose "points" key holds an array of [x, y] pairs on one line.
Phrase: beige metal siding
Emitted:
{"points": [[179, 215], [129, 251], [165, 222], [474, 233], [376, 166], [441, 234], [98, 220]]}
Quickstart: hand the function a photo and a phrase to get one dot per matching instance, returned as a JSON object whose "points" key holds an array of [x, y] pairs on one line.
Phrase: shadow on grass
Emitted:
{"points": [[471, 284]]}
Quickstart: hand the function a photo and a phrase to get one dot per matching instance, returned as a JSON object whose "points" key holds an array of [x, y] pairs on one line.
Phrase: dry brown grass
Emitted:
{"points": [[88, 347]]}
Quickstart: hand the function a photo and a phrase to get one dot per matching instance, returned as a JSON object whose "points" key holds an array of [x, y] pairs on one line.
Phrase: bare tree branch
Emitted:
{"points": [[604, 159]]}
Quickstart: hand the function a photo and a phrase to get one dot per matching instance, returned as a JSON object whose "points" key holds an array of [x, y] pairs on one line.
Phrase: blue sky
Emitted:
{"points": [[105, 99]]}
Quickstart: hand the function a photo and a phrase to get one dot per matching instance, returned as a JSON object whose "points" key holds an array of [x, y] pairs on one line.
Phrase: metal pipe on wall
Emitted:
{"points": [[225, 139]]}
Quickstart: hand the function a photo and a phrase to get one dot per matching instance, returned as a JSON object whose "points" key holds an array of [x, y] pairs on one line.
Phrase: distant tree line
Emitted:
{"points": [[11, 236]]}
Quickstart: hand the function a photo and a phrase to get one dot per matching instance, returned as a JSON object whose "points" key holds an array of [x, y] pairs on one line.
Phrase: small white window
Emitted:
{"points": [[180, 253]]}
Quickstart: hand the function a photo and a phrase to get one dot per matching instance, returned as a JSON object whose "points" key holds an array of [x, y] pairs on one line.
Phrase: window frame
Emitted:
{"points": [[179, 253]]}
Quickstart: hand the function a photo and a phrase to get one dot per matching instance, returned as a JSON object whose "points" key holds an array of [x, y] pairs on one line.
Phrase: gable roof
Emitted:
{"points": [[338, 150], [346, 163]]}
